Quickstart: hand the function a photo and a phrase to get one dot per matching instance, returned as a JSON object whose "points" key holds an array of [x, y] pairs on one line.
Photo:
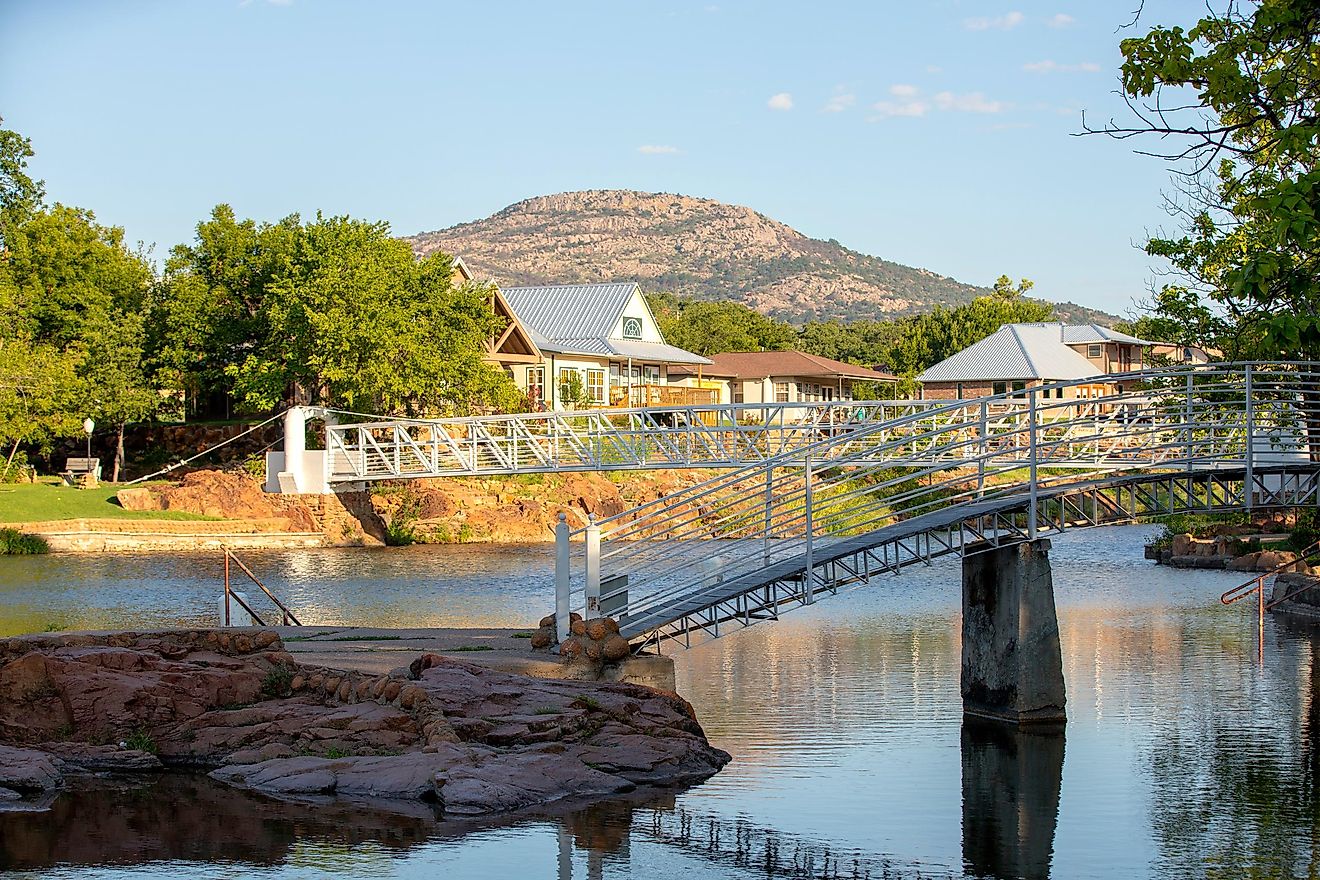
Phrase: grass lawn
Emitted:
{"points": [[38, 502]]}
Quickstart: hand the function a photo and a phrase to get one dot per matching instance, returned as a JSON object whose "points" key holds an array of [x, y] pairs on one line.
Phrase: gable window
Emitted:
{"points": [[1094, 350], [632, 328]]}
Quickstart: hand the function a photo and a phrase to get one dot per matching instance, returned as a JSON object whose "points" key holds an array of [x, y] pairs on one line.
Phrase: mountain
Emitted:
{"points": [[698, 248]]}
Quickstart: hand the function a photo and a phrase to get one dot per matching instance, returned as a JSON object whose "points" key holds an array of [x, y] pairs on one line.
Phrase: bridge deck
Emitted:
{"points": [[948, 519]]}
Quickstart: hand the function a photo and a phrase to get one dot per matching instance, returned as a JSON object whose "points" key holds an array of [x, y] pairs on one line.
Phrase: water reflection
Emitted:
{"points": [[1010, 782], [1185, 757]]}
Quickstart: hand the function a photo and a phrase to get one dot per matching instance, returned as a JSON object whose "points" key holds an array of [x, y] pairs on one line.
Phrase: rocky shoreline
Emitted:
{"points": [[456, 738]]}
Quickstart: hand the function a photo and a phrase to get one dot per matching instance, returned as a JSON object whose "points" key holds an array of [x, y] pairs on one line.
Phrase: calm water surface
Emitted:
{"points": [[1182, 756]]}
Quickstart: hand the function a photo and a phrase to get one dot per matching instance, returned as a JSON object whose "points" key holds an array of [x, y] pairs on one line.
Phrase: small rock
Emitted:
{"points": [[616, 648]]}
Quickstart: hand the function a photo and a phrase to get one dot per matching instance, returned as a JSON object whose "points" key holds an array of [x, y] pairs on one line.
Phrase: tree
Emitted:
{"points": [[20, 195], [335, 311], [1246, 172], [117, 390], [38, 389], [712, 327]]}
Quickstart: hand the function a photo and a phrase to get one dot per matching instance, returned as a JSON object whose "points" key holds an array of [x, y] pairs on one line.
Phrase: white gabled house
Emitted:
{"points": [[599, 346]]}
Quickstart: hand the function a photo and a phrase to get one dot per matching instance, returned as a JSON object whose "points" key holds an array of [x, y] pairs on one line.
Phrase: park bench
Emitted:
{"points": [[76, 469]]}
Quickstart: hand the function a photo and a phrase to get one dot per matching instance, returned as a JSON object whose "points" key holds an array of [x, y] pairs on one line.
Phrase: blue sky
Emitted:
{"points": [[936, 134]]}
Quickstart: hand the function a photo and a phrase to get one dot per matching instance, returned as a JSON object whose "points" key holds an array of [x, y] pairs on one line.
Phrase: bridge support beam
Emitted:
{"points": [[1012, 666]]}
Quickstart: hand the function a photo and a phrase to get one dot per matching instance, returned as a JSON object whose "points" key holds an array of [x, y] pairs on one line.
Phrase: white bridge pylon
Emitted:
{"points": [[845, 507], [1158, 418]]}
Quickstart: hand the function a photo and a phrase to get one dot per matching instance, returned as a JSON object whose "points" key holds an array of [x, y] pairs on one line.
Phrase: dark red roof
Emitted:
{"points": [[760, 364]]}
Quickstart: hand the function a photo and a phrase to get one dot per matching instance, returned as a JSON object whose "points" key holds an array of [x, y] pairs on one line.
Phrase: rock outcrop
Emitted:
{"points": [[465, 739]]}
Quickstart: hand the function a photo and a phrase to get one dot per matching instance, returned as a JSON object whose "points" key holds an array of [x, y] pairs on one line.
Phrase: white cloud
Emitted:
{"points": [[1005, 22], [781, 101], [1055, 67], [886, 109], [934, 68], [839, 103], [909, 101], [657, 149], [970, 102], [1061, 20]]}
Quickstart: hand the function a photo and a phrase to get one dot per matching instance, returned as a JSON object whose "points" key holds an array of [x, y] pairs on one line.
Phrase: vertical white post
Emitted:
{"points": [[593, 568], [295, 444], [808, 575], [1248, 477], [1032, 492], [984, 450], [1187, 420], [561, 579]]}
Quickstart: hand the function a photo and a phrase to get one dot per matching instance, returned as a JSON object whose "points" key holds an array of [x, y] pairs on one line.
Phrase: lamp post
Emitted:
{"points": [[88, 427]]}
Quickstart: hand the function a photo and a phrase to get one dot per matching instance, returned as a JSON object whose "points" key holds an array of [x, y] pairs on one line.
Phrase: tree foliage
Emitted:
{"points": [[905, 346], [708, 328], [1247, 178], [335, 307]]}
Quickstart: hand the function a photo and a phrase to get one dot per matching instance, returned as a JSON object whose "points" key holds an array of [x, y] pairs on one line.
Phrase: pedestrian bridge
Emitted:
{"points": [[1160, 418], [837, 508]]}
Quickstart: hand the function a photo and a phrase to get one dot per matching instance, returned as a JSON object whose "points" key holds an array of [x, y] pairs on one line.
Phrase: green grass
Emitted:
{"points": [[44, 501]]}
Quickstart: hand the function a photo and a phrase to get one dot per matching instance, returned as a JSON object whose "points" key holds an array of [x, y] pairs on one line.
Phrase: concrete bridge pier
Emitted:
{"points": [[1012, 667]]}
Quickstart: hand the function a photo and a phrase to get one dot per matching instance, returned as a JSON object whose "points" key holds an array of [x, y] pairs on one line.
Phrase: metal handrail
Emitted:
{"points": [[876, 474], [289, 617], [1246, 588]]}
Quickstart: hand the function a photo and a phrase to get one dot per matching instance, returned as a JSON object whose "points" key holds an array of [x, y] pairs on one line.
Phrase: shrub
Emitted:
{"points": [[401, 530], [15, 543], [277, 681], [16, 471], [140, 740]]}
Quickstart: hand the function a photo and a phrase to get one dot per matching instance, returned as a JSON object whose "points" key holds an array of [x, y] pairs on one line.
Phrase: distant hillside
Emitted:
{"points": [[697, 248]]}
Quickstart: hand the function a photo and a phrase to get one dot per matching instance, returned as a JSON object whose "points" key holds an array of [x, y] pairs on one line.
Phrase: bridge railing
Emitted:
{"points": [[680, 436], [780, 511]]}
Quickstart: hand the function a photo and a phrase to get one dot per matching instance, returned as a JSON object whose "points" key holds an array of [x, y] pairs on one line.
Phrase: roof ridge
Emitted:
{"points": [[1026, 353]]}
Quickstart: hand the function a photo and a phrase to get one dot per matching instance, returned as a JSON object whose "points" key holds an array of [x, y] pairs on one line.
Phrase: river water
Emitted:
{"points": [[1182, 757]]}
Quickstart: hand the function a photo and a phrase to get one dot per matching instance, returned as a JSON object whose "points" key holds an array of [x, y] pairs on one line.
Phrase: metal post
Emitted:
{"points": [[1031, 510], [226, 588], [809, 576], [1248, 489], [593, 568], [1260, 619], [561, 579], [985, 449], [1187, 420], [769, 514]]}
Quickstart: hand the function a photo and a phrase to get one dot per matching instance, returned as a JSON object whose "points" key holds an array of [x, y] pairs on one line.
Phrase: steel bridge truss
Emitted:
{"points": [[745, 545], [1097, 503]]}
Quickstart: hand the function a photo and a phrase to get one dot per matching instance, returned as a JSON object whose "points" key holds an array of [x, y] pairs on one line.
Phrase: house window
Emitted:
{"points": [[651, 374], [536, 384], [1019, 388], [737, 392], [632, 328], [1094, 350], [781, 392], [999, 388], [596, 385], [570, 384]]}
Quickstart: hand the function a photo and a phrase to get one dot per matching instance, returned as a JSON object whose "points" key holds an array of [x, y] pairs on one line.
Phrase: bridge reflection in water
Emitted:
{"points": [[1010, 803]]}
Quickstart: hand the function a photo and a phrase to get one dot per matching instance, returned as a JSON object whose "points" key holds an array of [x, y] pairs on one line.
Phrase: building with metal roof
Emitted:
{"points": [[1020, 356], [600, 346]]}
